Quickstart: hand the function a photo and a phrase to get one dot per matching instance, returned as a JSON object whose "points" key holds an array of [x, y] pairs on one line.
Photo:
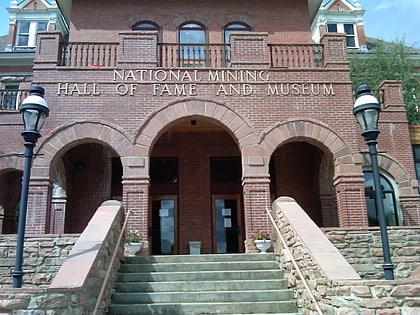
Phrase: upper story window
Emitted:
{"points": [[234, 27], [145, 26], [26, 33], [348, 29], [192, 40]]}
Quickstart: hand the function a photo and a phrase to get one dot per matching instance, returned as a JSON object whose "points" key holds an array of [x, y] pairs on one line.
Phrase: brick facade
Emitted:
{"points": [[111, 99]]}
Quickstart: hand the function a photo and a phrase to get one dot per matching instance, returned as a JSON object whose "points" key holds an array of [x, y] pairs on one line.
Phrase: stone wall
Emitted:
{"points": [[345, 297], [362, 248], [43, 255], [76, 286]]}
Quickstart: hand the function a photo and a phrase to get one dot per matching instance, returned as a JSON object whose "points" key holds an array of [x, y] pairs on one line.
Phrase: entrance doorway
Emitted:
{"points": [[227, 227], [163, 225]]}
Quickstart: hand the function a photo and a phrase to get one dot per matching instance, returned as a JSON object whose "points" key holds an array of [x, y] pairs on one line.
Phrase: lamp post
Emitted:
{"points": [[366, 109], [34, 110]]}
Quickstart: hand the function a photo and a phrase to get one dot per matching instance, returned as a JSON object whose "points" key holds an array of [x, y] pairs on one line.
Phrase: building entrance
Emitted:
{"points": [[227, 227], [195, 190]]}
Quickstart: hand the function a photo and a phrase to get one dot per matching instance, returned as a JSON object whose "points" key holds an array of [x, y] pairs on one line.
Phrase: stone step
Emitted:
{"points": [[198, 266], [203, 296], [271, 307], [202, 284], [198, 258], [200, 276], [228, 285]]}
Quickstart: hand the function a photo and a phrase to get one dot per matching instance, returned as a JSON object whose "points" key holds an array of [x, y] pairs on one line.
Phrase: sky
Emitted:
{"points": [[388, 20]]}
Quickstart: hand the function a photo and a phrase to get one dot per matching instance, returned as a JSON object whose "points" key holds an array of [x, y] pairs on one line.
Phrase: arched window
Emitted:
{"points": [[145, 26], [389, 200], [192, 40], [227, 30], [234, 27]]}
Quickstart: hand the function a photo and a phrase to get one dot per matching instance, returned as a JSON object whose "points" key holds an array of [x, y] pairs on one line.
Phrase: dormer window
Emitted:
{"points": [[26, 33]]}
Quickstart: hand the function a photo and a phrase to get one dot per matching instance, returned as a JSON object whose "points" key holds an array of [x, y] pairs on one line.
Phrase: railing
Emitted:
{"points": [[294, 263], [296, 56], [89, 55], [97, 55], [111, 264], [10, 99], [193, 55]]}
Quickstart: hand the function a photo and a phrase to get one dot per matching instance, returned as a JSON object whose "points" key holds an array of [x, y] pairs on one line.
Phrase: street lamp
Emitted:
{"points": [[34, 110], [367, 109]]}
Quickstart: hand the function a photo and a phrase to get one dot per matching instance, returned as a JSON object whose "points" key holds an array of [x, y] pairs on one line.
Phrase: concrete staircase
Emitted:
{"points": [[202, 284]]}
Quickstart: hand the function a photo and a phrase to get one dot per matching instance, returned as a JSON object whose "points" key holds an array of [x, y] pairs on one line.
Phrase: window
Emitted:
{"points": [[234, 27], [229, 28], [389, 200], [416, 154], [192, 39], [26, 33], [9, 96], [145, 26], [348, 29]]}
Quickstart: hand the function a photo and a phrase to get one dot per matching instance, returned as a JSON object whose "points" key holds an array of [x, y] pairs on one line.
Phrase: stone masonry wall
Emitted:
{"points": [[356, 297], [43, 255], [68, 299], [362, 248]]}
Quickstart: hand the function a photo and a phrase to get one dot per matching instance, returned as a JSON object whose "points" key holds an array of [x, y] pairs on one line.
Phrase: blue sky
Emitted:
{"points": [[384, 19]]}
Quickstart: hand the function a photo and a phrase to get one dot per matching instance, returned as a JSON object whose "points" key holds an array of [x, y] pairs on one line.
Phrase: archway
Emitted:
{"points": [[195, 191], [10, 187]]}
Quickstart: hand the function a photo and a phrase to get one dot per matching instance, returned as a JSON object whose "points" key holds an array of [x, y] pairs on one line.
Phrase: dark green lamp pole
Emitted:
{"points": [[34, 110], [367, 109]]}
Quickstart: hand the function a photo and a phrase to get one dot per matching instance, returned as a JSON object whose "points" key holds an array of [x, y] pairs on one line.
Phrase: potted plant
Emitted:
{"points": [[262, 241], [133, 242]]}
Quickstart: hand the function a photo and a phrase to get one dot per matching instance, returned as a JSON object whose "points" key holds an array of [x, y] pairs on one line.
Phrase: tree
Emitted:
{"points": [[389, 61]]}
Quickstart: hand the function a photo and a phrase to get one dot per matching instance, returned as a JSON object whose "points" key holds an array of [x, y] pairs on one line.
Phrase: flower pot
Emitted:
{"points": [[132, 248], [263, 245]]}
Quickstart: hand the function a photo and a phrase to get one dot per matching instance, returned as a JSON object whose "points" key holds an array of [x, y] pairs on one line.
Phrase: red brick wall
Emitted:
{"points": [[284, 21]]}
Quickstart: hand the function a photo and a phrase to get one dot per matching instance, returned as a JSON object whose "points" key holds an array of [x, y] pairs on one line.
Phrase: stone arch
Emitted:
{"points": [[11, 161], [311, 131], [396, 170], [156, 123], [78, 132]]}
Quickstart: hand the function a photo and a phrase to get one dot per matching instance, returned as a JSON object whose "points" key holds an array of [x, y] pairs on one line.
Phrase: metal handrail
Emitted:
{"points": [[108, 272], [295, 265]]}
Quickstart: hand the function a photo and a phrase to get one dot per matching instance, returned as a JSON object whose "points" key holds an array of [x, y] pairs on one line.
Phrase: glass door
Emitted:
{"points": [[163, 225], [227, 232]]}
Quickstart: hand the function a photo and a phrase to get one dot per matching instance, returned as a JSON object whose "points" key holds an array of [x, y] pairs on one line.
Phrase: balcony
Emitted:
{"points": [[11, 98], [105, 55]]}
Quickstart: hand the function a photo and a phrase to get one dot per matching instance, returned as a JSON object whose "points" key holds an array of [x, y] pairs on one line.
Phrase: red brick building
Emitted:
{"points": [[197, 117]]}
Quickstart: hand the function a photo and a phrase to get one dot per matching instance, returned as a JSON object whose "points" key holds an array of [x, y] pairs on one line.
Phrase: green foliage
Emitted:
{"points": [[388, 61]]}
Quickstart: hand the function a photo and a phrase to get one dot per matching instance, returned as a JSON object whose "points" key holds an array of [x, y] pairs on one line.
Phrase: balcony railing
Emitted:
{"points": [[88, 55], [10, 99], [296, 56], [79, 55], [188, 55]]}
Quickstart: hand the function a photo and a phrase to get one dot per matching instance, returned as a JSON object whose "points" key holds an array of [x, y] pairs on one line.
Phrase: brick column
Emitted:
{"points": [[335, 50], [138, 49], [136, 195], [395, 139], [48, 50], [58, 210], [248, 49], [39, 203], [256, 191], [351, 204], [329, 210]]}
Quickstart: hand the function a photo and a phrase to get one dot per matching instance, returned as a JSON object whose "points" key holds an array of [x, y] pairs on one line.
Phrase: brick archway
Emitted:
{"points": [[346, 173], [77, 132], [407, 186], [154, 126]]}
